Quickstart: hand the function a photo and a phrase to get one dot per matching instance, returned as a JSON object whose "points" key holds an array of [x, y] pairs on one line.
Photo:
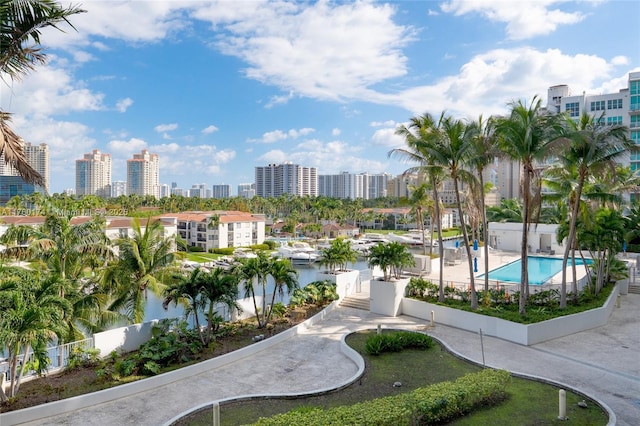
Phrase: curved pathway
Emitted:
{"points": [[603, 363]]}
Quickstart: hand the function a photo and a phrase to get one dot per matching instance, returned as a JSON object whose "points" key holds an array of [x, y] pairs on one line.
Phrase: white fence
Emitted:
{"points": [[58, 358]]}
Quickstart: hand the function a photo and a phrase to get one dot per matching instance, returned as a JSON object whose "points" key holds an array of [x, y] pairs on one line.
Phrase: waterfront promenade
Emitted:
{"points": [[603, 363]]}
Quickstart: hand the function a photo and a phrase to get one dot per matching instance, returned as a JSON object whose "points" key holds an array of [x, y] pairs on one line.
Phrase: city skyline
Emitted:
{"points": [[219, 88]]}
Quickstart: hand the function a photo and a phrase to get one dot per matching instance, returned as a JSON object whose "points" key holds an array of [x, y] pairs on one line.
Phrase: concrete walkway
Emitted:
{"points": [[604, 363]]}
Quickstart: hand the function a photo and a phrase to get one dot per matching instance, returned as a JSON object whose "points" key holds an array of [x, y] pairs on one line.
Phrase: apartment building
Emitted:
{"points": [[93, 174], [143, 174], [622, 107], [11, 184], [219, 229], [287, 178], [221, 191]]}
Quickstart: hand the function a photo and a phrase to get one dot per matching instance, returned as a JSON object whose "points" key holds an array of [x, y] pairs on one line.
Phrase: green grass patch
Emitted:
{"points": [[526, 400]]}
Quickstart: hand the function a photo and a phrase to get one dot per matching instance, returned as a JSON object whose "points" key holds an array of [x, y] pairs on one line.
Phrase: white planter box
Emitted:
{"points": [[525, 334], [386, 296], [346, 281]]}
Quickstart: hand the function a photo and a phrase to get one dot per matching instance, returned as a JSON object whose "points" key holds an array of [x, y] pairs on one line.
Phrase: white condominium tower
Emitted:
{"points": [[37, 157], [93, 174], [143, 174], [278, 179], [622, 107]]}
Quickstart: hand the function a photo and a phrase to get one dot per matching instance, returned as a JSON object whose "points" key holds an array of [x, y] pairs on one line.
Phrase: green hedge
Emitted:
{"points": [[397, 341], [228, 251], [437, 403]]}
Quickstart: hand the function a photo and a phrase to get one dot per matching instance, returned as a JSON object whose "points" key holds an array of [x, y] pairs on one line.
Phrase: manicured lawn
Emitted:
{"points": [[529, 402], [202, 257]]}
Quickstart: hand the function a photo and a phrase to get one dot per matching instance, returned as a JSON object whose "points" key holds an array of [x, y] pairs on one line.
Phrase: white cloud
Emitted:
{"points": [[280, 135], [161, 128], [292, 45], [126, 148], [620, 60], [123, 104], [387, 123], [293, 133], [387, 138], [210, 129], [50, 91], [487, 82], [524, 19], [188, 160], [335, 132]]}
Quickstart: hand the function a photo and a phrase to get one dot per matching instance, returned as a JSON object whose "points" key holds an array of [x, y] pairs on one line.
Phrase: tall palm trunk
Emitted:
{"points": [[570, 243], [524, 275], [485, 233], [440, 244], [465, 237]]}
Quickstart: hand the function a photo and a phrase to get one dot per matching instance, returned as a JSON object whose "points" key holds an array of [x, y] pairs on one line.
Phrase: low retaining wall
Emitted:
{"points": [[129, 389], [525, 334]]}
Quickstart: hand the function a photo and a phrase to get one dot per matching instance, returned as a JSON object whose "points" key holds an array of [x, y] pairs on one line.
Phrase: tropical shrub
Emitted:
{"points": [[172, 342], [435, 404], [316, 293], [377, 344], [390, 258], [226, 251]]}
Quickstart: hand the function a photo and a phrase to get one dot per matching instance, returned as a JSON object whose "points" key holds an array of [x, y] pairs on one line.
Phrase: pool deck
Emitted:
{"points": [[459, 273]]}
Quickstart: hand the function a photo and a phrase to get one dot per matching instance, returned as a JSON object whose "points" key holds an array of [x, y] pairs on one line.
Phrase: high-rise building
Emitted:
{"points": [[118, 188], [165, 191], [199, 190], [37, 157], [622, 107], [343, 185], [221, 191], [287, 178], [143, 174], [246, 190], [93, 174]]}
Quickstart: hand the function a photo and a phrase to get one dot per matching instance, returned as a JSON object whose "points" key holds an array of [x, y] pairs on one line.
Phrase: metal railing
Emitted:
{"points": [[58, 358]]}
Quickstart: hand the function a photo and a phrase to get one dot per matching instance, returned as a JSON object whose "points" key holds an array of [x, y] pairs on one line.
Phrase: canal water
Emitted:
{"points": [[306, 275]]}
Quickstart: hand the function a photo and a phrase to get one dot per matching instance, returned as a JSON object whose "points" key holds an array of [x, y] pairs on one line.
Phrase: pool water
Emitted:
{"points": [[541, 270]]}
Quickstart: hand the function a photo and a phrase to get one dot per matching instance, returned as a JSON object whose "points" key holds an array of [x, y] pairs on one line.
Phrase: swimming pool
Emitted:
{"points": [[541, 270]]}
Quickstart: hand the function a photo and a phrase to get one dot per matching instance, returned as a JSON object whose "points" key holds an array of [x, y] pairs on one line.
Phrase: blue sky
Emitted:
{"points": [[217, 88]]}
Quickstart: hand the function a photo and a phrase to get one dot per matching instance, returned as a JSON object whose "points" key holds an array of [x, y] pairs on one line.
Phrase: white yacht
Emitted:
{"points": [[300, 253]]}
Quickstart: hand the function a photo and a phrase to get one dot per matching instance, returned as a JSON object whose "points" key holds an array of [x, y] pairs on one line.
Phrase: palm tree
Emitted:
{"points": [[338, 255], [21, 22], [483, 151], [186, 288], [592, 149], [450, 149], [63, 246], [254, 271], [420, 200], [418, 135], [217, 287], [526, 135], [142, 260], [32, 314], [284, 275]]}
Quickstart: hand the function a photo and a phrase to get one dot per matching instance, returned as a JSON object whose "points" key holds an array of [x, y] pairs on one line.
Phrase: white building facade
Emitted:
{"points": [[93, 174], [287, 178], [143, 174]]}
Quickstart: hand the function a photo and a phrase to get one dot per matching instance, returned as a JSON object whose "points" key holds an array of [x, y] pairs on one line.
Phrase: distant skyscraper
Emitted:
{"points": [[93, 174], [221, 191], [118, 188], [199, 190], [37, 157], [246, 190], [277, 179], [165, 191], [143, 174], [344, 185]]}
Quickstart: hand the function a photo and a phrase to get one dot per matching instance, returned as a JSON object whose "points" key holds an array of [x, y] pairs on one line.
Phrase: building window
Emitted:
{"points": [[614, 120], [614, 104], [635, 137], [635, 122], [597, 106], [573, 108]]}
